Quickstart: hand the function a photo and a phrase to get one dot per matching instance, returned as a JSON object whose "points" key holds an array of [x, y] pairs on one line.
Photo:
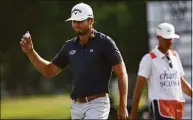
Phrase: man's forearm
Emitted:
{"points": [[136, 98], [137, 94], [39, 63], [121, 73], [123, 87], [186, 87]]}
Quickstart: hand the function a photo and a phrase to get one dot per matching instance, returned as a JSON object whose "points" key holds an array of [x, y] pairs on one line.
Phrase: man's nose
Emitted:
{"points": [[170, 41]]}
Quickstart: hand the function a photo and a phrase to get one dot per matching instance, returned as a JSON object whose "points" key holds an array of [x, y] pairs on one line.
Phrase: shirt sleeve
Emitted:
{"points": [[145, 67], [61, 59], [180, 65], [111, 51]]}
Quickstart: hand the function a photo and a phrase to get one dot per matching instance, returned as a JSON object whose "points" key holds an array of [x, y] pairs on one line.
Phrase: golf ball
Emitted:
{"points": [[27, 35]]}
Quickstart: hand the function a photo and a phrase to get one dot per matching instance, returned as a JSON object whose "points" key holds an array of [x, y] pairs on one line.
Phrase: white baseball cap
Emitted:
{"points": [[81, 12], [166, 30]]}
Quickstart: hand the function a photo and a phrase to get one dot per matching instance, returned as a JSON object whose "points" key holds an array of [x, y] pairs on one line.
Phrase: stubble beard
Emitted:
{"points": [[82, 33]]}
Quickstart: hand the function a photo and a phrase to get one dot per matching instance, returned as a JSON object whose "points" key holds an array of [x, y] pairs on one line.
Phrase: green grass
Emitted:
{"points": [[41, 107], [36, 107]]}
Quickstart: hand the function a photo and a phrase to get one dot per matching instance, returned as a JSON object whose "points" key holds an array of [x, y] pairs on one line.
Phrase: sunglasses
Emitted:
{"points": [[169, 61]]}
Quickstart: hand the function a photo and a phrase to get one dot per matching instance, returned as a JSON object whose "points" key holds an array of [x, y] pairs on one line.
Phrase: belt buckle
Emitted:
{"points": [[86, 98], [77, 100]]}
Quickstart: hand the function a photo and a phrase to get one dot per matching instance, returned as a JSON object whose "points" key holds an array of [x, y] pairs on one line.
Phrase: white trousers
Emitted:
{"points": [[98, 108]]}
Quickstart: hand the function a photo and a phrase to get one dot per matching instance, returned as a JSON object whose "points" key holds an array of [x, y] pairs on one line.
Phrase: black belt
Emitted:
{"points": [[89, 98]]}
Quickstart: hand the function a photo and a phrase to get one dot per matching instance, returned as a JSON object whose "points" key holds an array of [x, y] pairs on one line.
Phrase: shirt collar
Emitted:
{"points": [[160, 55], [92, 36]]}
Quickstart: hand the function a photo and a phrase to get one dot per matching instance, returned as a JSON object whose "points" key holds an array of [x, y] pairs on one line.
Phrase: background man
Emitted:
{"points": [[163, 71]]}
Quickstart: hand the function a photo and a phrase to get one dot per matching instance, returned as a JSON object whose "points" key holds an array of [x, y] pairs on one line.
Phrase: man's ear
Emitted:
{"points": [[158, 37]]}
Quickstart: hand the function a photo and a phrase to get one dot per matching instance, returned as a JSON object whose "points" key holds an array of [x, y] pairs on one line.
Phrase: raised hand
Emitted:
{"points": [[26, 44]]}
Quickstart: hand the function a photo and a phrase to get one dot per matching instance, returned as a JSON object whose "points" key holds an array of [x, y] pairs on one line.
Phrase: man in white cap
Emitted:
{"points": [[162, 70], [92, 56]]}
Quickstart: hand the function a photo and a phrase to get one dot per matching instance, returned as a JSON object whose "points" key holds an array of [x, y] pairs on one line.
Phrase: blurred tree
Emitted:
{"points": [[14, 21]]}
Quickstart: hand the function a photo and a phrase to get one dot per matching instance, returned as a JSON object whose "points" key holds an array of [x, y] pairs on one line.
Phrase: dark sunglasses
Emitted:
{"points": [[169, 61]]}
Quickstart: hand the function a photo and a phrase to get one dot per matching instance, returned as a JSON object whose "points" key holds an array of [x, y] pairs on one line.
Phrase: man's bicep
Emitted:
{"points": [[142, 79], [116, 67], [141, 82], [119, 69], [183, 81]]}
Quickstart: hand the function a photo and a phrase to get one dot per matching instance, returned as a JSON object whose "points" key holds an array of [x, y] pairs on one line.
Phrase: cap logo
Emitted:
{"points": [[75, 11], [159, 28], [169, 30]]}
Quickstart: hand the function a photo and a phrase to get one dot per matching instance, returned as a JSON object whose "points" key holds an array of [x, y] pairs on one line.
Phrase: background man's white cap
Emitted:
{"points": [[166, 30], [81, 12]]}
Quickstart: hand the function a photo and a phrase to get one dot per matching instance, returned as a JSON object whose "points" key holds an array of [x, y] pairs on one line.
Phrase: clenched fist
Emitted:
{"points": [[26, 44]]}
